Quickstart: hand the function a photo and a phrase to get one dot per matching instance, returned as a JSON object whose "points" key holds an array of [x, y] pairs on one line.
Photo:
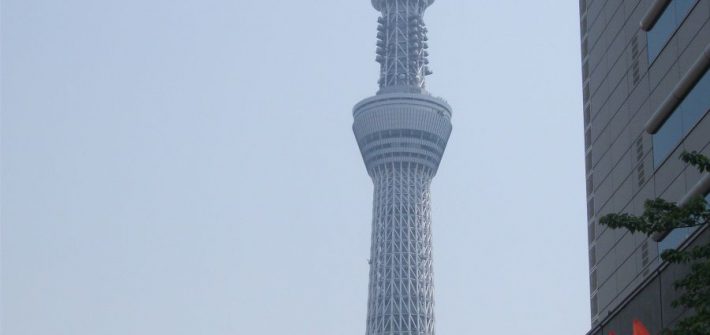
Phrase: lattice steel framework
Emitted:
{"points": [[401, 275], [402, 43], [402, 133]]}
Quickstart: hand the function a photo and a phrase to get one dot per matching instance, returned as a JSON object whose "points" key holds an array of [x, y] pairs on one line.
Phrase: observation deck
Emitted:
{"points": [[402, 128]]}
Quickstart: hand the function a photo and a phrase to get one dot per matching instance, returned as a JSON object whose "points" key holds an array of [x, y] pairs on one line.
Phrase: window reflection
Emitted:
{"points": [[678, 235], [661, 32], [666, 25], [665, 140], [682, 8], [694, 106], [675, 238]]}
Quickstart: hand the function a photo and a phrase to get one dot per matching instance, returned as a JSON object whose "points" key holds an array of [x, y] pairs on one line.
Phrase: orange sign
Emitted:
{"points": [[639, 329]]}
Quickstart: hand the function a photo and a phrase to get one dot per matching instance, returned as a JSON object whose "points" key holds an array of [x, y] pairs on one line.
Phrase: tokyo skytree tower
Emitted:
{"points": [[402, 132]]}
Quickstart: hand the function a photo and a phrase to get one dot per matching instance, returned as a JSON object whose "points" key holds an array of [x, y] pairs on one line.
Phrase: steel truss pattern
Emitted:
{"points": [[402, 133], [402, 43], [401, 297]]}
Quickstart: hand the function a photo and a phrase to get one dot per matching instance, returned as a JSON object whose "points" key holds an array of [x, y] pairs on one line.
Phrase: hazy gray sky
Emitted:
{"points": [[188, 167]]}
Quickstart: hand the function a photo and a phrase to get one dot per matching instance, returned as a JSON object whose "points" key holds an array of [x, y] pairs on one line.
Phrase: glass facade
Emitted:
{"points": [[677, 236], [666, 25], [694, 106]]}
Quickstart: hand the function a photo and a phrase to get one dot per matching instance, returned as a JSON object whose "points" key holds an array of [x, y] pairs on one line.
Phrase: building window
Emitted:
{"points": [[678, 235], [666, 26], [694, 106], [590, 209]]}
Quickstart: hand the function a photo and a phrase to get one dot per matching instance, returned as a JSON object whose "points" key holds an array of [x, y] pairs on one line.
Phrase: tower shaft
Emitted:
{"points": [[401, 292], [402, 45], [402, 133], [402, 138]]}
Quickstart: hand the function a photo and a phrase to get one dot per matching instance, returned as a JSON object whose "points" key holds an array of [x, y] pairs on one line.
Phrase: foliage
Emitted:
{"points": [[661, 216]]}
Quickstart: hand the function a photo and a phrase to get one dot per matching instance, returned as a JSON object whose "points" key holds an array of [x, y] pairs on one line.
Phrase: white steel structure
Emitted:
{"points": [[402, 133]]}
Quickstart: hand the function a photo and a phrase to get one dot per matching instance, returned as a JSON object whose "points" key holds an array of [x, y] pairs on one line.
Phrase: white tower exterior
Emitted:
{"points": [[402, 134]]}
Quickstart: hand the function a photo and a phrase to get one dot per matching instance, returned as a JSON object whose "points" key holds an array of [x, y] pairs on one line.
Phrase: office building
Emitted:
{"points": [[646, 92]]}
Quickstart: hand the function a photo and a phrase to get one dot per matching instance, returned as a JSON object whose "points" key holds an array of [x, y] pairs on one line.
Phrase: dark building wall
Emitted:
{"points": [[627, 75], [651, 302]]}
